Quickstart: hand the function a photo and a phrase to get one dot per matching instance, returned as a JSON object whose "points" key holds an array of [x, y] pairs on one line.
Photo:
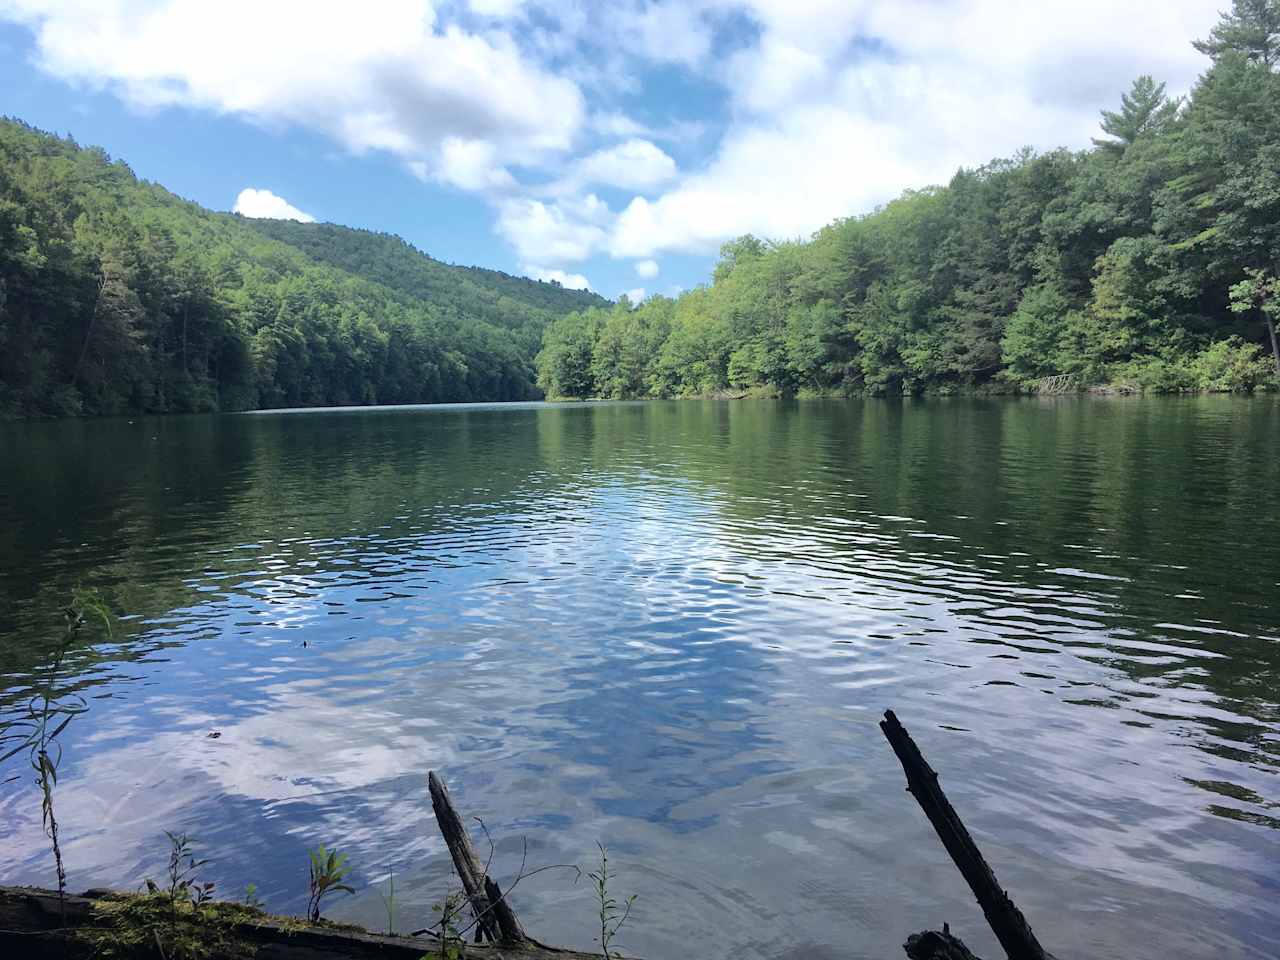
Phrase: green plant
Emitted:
{"points": [[47, 716], [1231, 365], [328, 867], [87, 600], [612, 918], [251, 898], [389, 903], [453, 945], [181, 872]]}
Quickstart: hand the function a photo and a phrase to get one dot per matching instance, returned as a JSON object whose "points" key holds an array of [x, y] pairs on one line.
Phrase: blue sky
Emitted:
{"points": [[616, 144]]}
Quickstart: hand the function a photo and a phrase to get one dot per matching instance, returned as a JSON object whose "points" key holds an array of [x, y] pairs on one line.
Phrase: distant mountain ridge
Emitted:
{"points": [[116, 296]]}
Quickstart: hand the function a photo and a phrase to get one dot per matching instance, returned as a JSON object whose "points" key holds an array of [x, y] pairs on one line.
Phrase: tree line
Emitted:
{"points": [[1149, 262], [118, 297]]}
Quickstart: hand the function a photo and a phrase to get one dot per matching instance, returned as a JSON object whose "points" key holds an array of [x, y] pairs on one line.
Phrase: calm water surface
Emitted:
{"points": [[672, 627]]}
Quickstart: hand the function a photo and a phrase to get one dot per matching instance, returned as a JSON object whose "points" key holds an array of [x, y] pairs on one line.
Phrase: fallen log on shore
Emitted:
{"points": [[33, 924]]}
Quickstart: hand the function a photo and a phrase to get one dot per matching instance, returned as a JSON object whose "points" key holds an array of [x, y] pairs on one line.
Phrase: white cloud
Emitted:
{"points": [[835, 107], [674, 31], [472, 165], [571, 281], [633, 165], [647, 268], [564, 231], [635, 295], [265, 204], [614, 123], [383, 76]]}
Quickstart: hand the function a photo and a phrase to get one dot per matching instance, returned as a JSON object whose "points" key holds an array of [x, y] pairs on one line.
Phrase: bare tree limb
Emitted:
{"points": [[1005, 919]]}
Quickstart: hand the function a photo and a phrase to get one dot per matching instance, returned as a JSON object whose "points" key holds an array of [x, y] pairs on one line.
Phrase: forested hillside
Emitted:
{"points": [[1150, 262], [462, 292], [118, 297]]}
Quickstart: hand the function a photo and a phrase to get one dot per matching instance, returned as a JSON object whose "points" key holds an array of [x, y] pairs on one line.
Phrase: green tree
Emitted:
{"points": [[565, 361], [1251, 29], [116, 296], [1261, 292], [1031, 347], [1145, 109]]}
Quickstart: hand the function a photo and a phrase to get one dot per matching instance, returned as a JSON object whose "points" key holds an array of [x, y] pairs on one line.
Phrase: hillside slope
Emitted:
{"points": [[118, 297], [514, 303]]}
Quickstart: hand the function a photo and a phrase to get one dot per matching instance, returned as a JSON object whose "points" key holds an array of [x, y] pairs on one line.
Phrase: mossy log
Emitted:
{"points": [[33, 923]]}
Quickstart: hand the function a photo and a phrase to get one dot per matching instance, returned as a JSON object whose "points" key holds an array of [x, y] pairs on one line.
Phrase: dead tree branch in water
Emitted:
{"points": [[1005, 919], [496, 920]]}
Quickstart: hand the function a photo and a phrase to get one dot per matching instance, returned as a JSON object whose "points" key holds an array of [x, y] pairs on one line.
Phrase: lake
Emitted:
{"points": [[672, 627]]}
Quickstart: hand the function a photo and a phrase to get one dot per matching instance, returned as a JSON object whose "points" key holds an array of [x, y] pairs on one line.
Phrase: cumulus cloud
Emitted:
{"points": [[266, 205], [647, 268], [633, 165], [571, 281], [472, 165], [566, 231], [836, 107], [635, 295], [386, 76]]}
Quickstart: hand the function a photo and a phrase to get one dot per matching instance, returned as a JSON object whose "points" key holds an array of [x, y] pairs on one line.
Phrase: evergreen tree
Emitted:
{"points": [[1143, 110], [1251, 29]]}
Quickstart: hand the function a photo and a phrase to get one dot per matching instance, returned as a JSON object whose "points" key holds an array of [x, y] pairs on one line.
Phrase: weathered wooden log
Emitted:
{"points": [[32, 926], [1005, 919], [493, 913], [465, 861], [508, 923]]}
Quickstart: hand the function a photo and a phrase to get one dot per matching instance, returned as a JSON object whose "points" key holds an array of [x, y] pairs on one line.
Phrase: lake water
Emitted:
{"points": [[672, 627]]}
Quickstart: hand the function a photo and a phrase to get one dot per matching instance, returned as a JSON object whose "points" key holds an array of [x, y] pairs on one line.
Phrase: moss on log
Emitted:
{"points": [[100, 923]]}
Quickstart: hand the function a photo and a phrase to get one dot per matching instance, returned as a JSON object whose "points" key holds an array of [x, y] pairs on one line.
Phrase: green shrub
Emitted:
{"points": [[1231, 366], [1153, 374]]}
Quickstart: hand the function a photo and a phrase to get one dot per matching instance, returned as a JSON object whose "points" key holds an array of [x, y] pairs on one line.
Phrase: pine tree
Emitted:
{"points": [[1144, 109], [1252, 29]]}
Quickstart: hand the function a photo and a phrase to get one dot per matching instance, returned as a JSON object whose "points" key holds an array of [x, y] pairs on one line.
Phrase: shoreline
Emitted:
{"points": [[1097, 392]]}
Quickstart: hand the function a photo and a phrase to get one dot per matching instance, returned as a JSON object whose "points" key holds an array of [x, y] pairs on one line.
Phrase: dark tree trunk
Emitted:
{"points": [[1271, 332], [88, 334]]}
